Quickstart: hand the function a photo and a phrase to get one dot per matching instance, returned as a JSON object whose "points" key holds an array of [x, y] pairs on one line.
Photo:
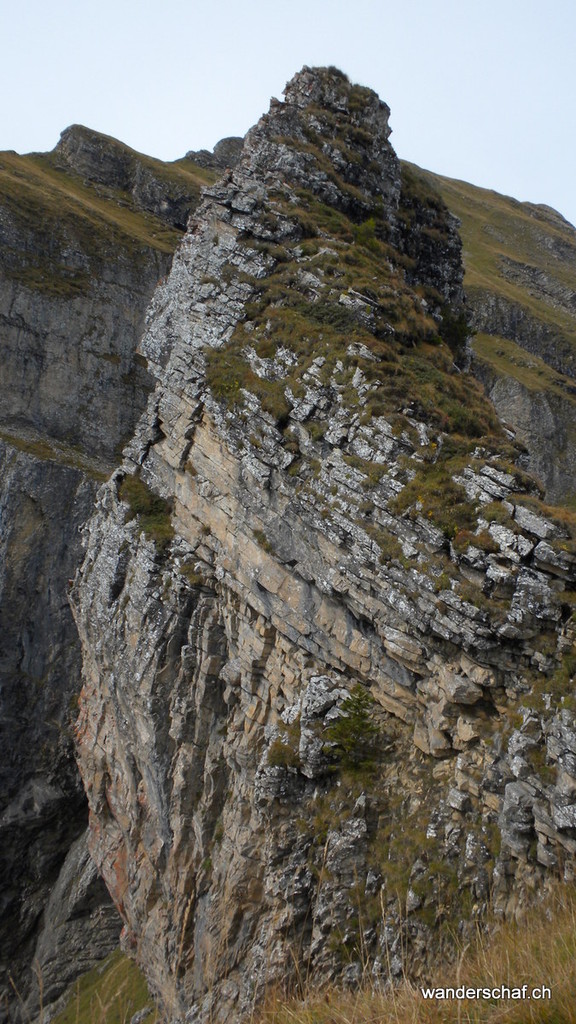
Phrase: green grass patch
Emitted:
{"points": [[434, 495], [49, 449], [191, 575], [263, 542], [508, 359], [154, 513], [558, 686], [110, 993]]}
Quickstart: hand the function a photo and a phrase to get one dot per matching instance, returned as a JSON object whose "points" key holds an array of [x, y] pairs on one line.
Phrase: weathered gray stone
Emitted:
{"points": [[203, 736], [534, 523], [459, 801], [459, 689]]}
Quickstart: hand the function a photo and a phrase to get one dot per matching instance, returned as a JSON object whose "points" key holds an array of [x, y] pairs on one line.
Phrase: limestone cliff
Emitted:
{"points": [[85, 233], [326, 622], [79, 259]]}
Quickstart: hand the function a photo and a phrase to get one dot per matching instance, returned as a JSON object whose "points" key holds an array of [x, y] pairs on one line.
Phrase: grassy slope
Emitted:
{"points": [[499, 232], [108, 994], [509, 359], [68, 229], [49, 449]]}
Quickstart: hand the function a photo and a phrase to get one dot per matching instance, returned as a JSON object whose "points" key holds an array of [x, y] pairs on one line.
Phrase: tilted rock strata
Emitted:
{"points": [[215, 662]]}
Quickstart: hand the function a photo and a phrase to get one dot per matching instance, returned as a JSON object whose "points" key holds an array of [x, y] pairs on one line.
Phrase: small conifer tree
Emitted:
{"points": [[353, 737]]}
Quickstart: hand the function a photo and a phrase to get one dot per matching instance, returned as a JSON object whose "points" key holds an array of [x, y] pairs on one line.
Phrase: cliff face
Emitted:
{"points": [[85, 233], [78, 263], [325, 622]]}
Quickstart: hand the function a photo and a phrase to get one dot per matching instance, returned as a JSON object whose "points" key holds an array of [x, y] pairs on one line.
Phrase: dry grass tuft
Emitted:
{"points": [[539, 951]]}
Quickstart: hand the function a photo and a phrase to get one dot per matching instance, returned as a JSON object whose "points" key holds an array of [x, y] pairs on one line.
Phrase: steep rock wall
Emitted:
{"points": [[543, 417], [77, 269], [42, 505], [263, 561], [71, 314]]}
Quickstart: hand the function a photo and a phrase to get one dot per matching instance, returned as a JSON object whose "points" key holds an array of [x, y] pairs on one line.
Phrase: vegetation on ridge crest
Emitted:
{"points": [[340, 308], [357, 313]]}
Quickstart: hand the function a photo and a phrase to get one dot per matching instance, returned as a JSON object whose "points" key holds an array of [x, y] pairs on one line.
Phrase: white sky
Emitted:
{"points": [[483, 90]]}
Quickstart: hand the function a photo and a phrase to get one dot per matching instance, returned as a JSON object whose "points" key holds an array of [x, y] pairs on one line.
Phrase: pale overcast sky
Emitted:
{"points": [[483, 90]]}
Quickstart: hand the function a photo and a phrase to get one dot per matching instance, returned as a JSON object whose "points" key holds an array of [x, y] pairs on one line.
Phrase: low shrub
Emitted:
{"points": [[154, 513]]}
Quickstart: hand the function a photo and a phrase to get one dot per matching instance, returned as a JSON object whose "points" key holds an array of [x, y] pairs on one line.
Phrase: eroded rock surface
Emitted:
{"points": [[297, 525], [78, 266]]}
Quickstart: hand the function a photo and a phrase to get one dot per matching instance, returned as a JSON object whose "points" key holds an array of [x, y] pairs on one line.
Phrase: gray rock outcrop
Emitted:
{"points": [[326, 701], [225, 154]]}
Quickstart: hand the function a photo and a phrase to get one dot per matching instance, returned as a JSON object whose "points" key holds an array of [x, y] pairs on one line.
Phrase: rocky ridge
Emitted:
{"points": [[225, 154], [326, 622]]}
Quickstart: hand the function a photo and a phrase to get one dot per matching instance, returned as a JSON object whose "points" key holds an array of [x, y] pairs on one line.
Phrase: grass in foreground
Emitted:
{"points": [[540, 951]]}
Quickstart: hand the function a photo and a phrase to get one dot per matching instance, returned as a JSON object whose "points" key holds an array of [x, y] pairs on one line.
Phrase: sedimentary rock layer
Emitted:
{"points": [[319, 603]]}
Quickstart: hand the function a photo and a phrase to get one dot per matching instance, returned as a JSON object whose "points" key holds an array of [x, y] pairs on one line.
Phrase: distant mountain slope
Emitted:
{"points": [[520, 282], [86, 231]]}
